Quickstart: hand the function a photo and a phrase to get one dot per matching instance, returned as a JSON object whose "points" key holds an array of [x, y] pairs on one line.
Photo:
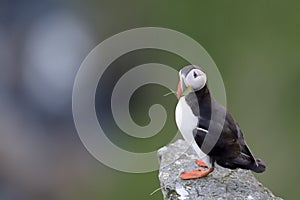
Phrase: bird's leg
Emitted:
{"points": [[196, 174]]}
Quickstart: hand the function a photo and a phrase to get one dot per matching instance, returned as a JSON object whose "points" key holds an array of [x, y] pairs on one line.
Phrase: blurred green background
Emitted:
{"points": [[255, 45]]}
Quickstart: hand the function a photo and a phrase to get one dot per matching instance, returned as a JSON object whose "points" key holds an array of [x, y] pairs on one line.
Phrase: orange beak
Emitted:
{"points": [[179, 90]]}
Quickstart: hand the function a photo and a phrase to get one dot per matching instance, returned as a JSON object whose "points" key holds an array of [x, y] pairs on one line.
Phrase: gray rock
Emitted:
{"points": [[220, 184]]}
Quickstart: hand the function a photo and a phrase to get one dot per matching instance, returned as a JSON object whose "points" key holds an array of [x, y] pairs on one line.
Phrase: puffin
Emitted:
{"points": [[194, 119]]}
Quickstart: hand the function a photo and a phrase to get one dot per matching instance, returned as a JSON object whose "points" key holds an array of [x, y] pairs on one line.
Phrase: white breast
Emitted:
{"points": [[186, 122], [185, 119]]}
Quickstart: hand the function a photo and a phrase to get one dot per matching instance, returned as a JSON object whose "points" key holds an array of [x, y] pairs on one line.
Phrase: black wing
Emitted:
{"points": [[230, 150]]}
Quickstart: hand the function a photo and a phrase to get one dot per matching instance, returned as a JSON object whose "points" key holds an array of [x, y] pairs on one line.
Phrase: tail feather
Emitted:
{"points": [[244, 163], [259, 168]]}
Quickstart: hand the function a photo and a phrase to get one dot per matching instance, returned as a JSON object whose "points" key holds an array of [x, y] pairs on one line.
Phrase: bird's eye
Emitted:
{"points": [[195, 75]]}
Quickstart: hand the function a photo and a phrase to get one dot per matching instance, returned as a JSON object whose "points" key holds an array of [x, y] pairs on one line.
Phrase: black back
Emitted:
{"points": [[230, 150]]}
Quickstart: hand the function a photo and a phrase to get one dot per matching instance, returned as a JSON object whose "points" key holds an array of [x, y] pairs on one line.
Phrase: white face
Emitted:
{"points": [[196, 79]]}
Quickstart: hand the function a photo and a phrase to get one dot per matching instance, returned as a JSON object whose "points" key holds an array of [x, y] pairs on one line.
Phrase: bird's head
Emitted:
{"points": [[191, 78]]}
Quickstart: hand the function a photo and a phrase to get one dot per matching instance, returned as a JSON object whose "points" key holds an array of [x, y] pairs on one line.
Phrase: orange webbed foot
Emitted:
{"points": [[201, 163], [196, 174]]}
